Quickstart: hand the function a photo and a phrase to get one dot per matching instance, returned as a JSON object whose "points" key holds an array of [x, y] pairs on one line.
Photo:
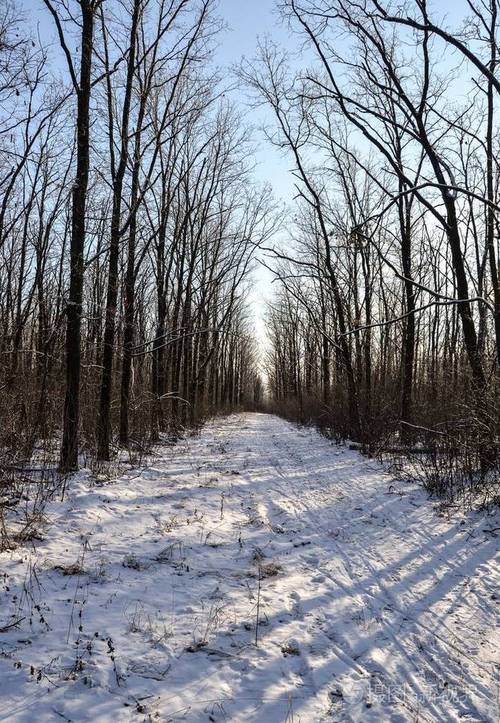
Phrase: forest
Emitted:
{"points": [[131, 225], [142, 248], [130, 222]]}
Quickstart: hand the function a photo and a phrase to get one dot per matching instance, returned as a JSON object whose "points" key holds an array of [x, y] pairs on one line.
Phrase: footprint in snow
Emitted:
{"points": [[311, 559], [296, 604]]}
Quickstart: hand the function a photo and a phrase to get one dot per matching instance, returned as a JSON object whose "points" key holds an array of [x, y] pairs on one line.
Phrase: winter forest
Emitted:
{"points": [[249, 360]]}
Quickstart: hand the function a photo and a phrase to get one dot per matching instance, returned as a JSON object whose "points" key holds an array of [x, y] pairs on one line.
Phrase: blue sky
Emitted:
{"points": [[245, 21]]}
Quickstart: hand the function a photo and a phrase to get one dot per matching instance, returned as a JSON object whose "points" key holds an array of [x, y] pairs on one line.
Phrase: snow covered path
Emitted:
{"points": [[141, 601]]}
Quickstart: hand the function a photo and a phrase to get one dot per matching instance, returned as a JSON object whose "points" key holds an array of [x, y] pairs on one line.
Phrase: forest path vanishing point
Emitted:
{"points": [[142, 599]]}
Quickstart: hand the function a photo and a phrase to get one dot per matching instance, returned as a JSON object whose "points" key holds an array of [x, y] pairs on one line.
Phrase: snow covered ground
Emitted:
{"points": [[141, 601]]}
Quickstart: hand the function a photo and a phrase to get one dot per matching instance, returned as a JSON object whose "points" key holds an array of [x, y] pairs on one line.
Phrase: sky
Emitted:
{"points": [[245, 21]]}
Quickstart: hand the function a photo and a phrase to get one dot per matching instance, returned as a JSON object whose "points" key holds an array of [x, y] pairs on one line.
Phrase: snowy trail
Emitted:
{"points": [[372, 606]]}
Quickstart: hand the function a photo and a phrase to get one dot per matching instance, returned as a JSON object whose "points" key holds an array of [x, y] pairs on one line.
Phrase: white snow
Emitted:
{"points": [[373, 604]]}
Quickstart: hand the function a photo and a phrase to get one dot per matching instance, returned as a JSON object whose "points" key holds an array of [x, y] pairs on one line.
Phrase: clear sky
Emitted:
{"points": [[245, 21]]}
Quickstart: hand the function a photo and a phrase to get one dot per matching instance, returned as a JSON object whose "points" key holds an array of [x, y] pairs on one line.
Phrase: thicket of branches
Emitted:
{"points": [[128, 228], [386, 327]]}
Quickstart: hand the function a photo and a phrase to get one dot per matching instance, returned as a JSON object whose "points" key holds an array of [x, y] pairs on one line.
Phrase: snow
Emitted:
{"points": [[141, 601]]}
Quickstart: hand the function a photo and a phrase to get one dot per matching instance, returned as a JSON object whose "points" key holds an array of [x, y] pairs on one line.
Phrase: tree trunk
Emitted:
{"points": [[69, 448]]}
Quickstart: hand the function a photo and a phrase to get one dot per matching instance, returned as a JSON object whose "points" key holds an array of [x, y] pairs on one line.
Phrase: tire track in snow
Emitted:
{"points": [[354, 591], [364, 561], [300, 508]]}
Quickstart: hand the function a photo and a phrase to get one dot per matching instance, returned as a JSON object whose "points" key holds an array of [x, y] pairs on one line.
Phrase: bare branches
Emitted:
{"points": [[426, 26], [62, 40]]}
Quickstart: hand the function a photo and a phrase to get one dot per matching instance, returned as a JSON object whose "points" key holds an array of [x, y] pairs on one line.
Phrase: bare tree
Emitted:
{"points": [[82, 88]]}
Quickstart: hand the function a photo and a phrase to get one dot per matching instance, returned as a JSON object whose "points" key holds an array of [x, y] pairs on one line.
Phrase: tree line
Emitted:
{"points": [[129, 224], [386, 326]]}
